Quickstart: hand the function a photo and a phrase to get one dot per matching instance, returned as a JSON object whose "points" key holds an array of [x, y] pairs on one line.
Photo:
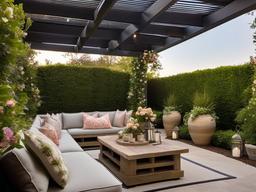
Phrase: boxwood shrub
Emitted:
{"points": [[222, 138], [225, 85], [74, 88]]}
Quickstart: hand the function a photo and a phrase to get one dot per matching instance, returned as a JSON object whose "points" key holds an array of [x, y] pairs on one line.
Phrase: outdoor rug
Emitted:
{"points": [[194, 173]]}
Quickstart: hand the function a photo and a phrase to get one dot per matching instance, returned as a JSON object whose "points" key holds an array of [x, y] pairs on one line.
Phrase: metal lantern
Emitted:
{"points": [[158, 139], [175, 133], [237, 145]]}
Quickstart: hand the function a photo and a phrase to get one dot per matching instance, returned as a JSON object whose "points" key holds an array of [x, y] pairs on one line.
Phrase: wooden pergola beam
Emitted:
{"points": [[103, 8], [46, 8], [146, 18], [70, 48], [227, 13]]}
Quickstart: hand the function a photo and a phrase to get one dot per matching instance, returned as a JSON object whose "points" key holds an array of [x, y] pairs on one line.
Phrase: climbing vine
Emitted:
{"points": [[143, 67]]}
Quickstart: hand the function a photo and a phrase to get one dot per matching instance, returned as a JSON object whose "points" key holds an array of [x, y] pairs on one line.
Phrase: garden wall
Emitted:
{"points": [[226, 85], [73, 88]]}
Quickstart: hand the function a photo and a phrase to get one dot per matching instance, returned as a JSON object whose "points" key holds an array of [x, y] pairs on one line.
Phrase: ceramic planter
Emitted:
{"points": [[251, 151], [170, 121], [201, 129]]}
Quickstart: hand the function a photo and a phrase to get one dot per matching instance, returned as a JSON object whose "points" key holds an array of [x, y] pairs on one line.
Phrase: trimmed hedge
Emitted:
{"points": [[225, 85], [75, 88]]}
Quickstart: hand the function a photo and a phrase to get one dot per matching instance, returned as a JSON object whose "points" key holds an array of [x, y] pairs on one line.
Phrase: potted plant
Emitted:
{"points": [[247, 118], [201, 120], [171, 115], [133, 130], [145, 116]]}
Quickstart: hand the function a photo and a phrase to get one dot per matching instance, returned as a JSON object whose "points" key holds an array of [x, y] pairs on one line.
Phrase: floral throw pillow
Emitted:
{"points": [[91, 122], [49, 154]]}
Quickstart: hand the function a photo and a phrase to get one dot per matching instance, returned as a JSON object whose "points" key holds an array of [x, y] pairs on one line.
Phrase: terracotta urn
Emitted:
{"points": [[170, 121], [201, 129]]}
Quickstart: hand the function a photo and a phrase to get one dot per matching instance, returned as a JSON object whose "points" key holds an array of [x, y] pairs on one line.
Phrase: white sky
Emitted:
{"points": [[228, 44]]}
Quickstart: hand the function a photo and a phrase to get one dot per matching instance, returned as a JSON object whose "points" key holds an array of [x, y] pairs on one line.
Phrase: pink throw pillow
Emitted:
{"points": [[49, 131], [91, 122]]}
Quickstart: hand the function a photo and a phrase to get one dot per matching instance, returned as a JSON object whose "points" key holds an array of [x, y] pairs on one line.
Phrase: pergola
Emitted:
{"points": [[124, 27]]}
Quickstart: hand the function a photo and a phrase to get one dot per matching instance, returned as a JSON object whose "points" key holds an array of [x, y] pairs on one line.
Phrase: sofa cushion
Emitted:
{"points": [[57, 123], [81, 179], [49, 154], [110, 113], [91, 122], [68, 144], [49, 131], [24, 171], [119, 118], [79, 131], [72, 120]]}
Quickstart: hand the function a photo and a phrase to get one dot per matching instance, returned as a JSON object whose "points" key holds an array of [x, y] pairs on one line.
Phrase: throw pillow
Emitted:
{"points": [[119, 118], [24, 172], [54, 120], [128, 115], [91, 122], [49, 131], [49, 154]]}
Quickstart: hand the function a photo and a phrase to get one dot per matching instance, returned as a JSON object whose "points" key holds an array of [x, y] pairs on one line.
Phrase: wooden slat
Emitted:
{"points": [[103, 8], [229, 12], [146, 17]]}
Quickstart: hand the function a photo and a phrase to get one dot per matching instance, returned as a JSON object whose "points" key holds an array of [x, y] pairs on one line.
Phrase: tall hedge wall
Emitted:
{"points": [[73, 88], [226, 85]]}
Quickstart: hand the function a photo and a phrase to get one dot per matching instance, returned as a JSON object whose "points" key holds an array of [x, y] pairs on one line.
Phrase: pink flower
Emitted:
{"points": [[10, 103], [1, 109], [8, 134]]}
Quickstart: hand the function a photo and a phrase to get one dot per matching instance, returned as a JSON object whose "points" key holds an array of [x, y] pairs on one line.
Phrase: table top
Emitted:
{"points": [[145, 151]]}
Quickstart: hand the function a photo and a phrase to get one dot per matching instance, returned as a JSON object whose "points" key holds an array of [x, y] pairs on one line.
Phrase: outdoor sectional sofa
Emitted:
{"points": [[85, 173], [73, 123]]}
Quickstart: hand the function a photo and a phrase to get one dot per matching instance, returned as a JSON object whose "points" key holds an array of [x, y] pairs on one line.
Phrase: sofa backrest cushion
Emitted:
{"points": [[72, 120], [111, 115], [23, 171], [49, 155]]}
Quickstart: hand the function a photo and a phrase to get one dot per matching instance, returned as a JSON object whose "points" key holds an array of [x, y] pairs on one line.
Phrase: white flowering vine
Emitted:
{"points": [[143, 65]]}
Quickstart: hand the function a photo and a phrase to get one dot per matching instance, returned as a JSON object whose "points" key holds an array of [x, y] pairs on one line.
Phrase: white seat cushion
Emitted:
{"points": [[87, 174], [79, 131], [68, 144]]}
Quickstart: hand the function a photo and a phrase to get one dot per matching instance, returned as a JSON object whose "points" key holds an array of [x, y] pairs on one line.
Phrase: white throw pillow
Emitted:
{"points": [[49, 154], [119, 119]]}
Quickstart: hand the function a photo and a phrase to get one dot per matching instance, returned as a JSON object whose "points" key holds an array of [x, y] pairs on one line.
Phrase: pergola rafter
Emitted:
{"points": [[108, 26]]}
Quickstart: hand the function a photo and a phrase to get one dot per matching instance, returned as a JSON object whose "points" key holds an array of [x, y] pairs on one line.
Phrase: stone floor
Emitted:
{"points": [[246, 174]]}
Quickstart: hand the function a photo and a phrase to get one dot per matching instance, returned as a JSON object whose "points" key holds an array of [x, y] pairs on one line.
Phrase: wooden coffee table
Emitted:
{"points": [[135, 165]]}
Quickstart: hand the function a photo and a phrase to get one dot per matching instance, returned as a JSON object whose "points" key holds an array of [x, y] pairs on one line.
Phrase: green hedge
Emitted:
{"points": [[73, 88], [222, 138], [225, 85]]}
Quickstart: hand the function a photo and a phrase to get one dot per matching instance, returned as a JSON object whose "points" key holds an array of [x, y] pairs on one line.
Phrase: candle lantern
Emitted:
{"points": [[175, 133], [158, 139], [237, 145]]}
